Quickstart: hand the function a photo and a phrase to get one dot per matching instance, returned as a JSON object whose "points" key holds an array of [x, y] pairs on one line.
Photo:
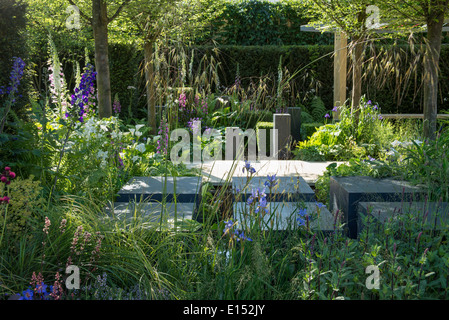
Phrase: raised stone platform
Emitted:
{"points": [[347, 192], [426, 214], [154, 215], [288, 189], [224, 169], [282, 216], [158, 189]]}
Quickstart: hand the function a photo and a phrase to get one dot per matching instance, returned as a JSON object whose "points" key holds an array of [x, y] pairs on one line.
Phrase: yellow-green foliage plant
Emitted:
{"points": [[25, 202]]}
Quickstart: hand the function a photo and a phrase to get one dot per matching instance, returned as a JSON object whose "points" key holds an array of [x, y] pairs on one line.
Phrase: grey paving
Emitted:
{"points": [[425, 214], [153, 215], [288, 189], [283, 216], [225, 169], [158, 189]]}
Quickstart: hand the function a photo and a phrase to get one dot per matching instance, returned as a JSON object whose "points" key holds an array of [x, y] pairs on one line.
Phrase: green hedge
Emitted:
{"points": [[307, 129], [256, 22], [313, 63]]}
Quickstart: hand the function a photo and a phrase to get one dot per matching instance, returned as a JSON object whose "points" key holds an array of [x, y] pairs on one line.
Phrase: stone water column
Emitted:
{"points": [[295, 113], [282, 123]]}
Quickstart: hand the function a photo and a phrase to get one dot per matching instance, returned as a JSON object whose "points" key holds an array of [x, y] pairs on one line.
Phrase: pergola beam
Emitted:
{"points": [[340, 57]]}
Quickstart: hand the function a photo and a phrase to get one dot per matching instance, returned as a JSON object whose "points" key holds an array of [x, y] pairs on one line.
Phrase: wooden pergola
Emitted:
{"points": [[340, 64]]}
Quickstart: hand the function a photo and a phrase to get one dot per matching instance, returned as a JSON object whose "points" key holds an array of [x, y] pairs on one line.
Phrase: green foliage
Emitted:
{"points": [[353, 167], [12, 41], [262, 23], [308, 129], [428, 164], [25, 205], [341, 141]]}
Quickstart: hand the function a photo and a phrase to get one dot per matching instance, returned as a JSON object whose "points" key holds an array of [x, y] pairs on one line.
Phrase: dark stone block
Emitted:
{"points": [[347, 192], [427, 214], [158, 189], [295, 113]]}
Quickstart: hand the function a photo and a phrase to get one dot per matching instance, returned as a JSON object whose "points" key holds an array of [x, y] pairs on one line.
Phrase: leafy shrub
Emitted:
{"points": [[428, 164], [350, 138], [25, 205]]}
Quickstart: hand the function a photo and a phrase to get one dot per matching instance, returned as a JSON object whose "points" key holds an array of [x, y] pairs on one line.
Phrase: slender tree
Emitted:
{"points": [[99, 22], [348, 17], [406, 16]]}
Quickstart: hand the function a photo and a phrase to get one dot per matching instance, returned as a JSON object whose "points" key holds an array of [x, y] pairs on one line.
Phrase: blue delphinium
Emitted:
{"points": [[80, 98], [15, 77]]}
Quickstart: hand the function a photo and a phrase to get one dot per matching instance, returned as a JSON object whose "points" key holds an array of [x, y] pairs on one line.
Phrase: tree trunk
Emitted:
{"points": [[150, 85], [100, 30], [430, 76], [357, 54]]}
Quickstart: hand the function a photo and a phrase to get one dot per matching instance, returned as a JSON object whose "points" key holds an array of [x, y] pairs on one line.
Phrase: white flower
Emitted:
{"points": [[136, 158], [132, 131], [102, 154], [418, 142], [396, 143], [141, 147], [138, 133], [139, 126], [407, 144]]}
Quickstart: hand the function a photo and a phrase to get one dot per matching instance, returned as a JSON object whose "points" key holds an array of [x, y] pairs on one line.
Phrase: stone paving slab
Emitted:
{"points": [[427, 214], [284, 214], [156, 189], [224, 169], [289, 189], [153, 214], [347, 192]]}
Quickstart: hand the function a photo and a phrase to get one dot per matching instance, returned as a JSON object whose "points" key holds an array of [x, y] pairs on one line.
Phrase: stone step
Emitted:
{"points": [[288, 189], [158, 189], [154, 215], [427, 214], [283, 216], [347, 192]]}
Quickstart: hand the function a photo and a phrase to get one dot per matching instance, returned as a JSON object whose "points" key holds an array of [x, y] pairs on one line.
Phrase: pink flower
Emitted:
{"points": [[47, 225], [5, 199], [7, 168], [3, 179], [12, 175]]}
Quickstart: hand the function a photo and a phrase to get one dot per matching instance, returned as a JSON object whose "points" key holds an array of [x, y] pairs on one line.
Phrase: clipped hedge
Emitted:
{"points": [[308, 129], [264, 125], [314, 66]]}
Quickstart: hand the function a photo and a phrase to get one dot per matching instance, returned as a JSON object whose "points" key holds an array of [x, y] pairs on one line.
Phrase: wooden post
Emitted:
{"points": [[340, 61]]}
